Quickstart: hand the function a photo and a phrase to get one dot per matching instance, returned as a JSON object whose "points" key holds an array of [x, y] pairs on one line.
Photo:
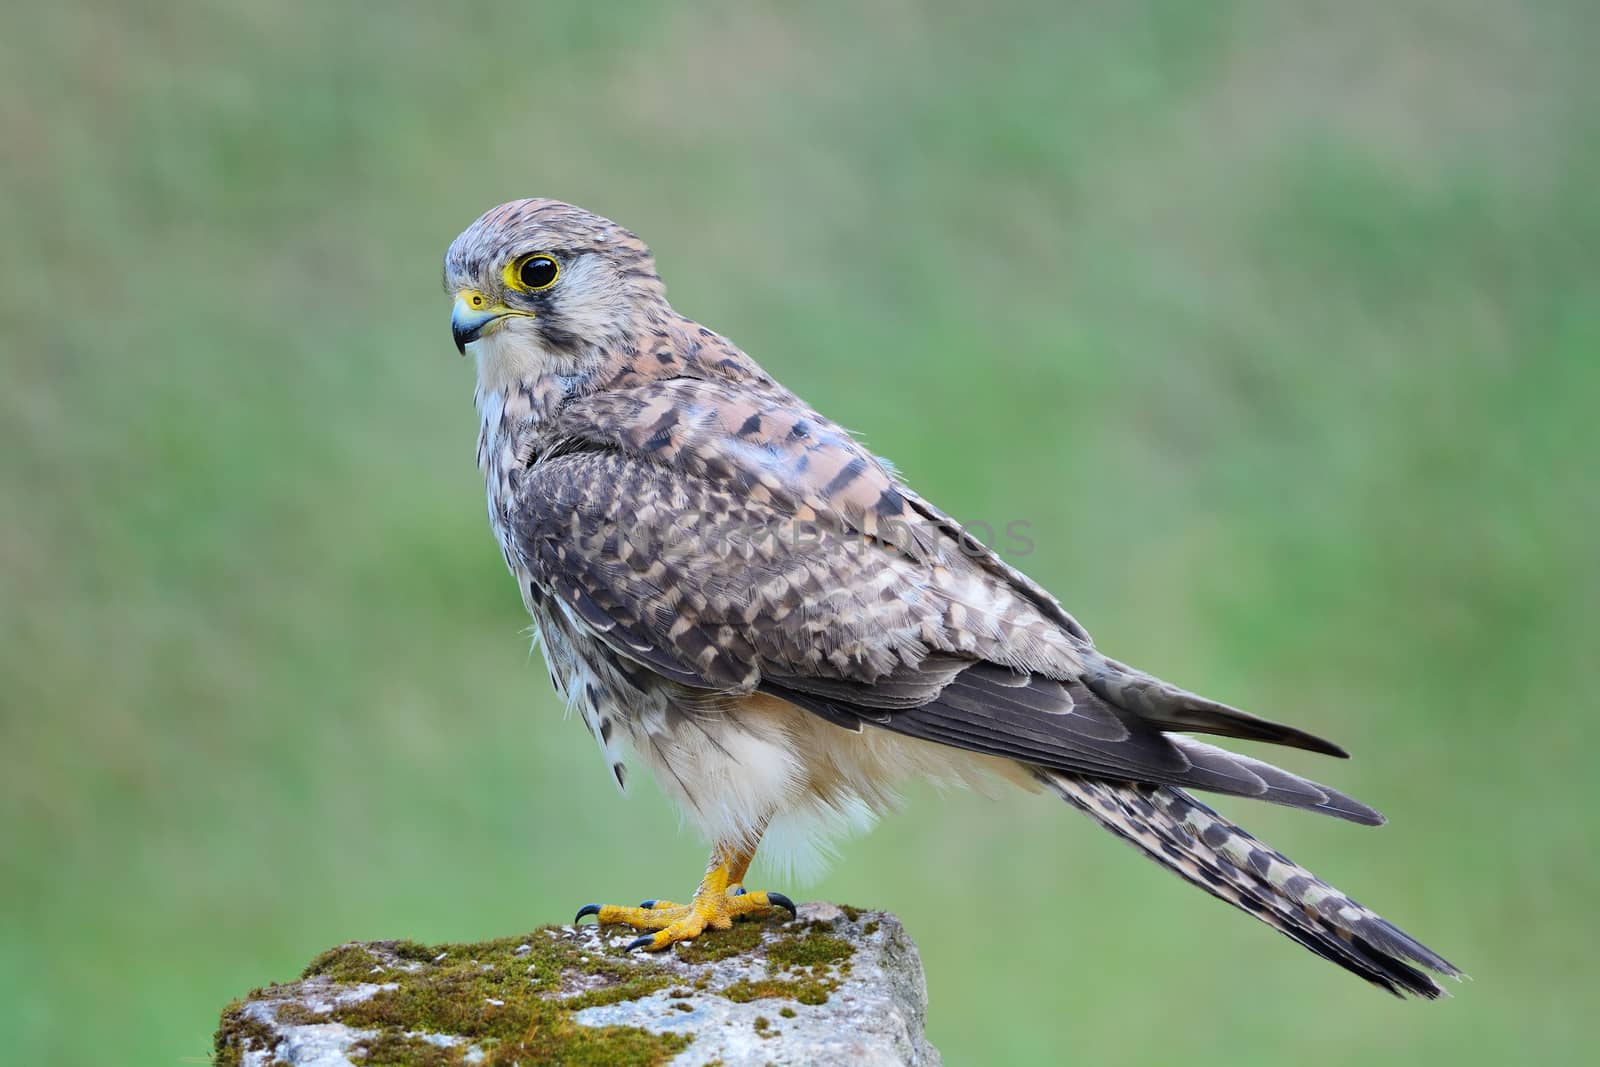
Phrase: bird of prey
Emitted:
{"points": [[728, 584]]}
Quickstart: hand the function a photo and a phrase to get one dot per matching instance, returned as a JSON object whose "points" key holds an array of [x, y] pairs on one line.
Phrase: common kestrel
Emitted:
{"points": [[730, 585]]}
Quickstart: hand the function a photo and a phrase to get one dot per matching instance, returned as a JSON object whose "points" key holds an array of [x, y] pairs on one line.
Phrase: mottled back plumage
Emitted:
{"points": [[730, 583]]}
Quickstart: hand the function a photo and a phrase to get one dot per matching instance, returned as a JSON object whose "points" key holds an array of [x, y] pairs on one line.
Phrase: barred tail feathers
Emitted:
{"points": [[1200, 846]]}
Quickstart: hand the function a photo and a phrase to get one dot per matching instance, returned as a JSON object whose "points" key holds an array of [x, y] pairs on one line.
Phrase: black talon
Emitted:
{"points": [[779, 900], [587, 909], [639, 942], [648, 903]]}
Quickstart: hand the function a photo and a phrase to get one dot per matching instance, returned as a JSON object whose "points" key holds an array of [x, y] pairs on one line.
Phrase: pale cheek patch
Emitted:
{"points": [[590, 300], [510, 356]]}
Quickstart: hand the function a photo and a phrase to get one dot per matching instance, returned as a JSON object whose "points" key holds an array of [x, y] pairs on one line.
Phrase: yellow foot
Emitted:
{"points": [[713, 908]]}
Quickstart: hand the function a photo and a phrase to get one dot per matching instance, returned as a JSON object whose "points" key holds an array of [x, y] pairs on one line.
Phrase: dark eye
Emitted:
{"points": [[538, 272]]}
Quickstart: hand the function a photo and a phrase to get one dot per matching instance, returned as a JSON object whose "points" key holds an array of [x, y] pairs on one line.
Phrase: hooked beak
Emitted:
{"points": [[472, 316]]}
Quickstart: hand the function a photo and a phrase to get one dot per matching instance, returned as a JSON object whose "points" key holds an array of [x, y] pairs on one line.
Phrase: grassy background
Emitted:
{"points": [[1278, 321]]}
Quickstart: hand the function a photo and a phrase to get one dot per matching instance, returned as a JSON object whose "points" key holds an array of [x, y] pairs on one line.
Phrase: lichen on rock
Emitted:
{"points": [[838, 985]]}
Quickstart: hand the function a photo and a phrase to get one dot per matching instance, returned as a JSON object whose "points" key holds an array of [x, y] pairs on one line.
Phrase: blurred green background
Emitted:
{"points": [[1278, 321]]}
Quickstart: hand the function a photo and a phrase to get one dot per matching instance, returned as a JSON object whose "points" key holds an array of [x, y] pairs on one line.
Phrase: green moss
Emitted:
{"points": [[870, 929], [503, 1001], [853, 914], [787, 1013], [805, 990], [347, 963], [299, 1015], [632, 989], [238, 1034], [814, 956], [764, 1029], [720, 944], [398, 1050], [613, 1046], [810, 949], [412, 950]]}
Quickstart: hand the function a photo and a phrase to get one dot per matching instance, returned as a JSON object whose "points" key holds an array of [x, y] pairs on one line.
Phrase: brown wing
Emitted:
{"points": [[716, 592], [731, 562]]}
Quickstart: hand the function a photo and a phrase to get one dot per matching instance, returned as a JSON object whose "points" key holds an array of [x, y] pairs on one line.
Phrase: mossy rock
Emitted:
{"points": [[824, 988]]}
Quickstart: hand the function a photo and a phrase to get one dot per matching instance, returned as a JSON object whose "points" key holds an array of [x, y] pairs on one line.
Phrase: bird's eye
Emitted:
{"points": [[535, 272]]}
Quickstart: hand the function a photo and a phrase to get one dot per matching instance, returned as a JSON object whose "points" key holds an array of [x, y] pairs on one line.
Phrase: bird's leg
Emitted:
{"points": [[736, 859], [738, 863], [718, 901]]}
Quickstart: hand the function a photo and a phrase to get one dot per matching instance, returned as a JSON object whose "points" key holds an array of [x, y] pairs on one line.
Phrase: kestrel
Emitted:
{"points": [[728, 584]]}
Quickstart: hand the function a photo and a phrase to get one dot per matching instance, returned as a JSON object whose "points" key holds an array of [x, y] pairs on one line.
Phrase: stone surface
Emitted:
{"points": [[836, 986]]}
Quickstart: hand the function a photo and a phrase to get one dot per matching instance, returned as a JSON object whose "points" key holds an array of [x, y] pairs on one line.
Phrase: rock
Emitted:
{"points": [[837, 986]]}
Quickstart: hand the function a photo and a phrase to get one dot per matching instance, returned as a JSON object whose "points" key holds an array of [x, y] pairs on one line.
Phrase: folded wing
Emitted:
{"points": [[913, 633]]}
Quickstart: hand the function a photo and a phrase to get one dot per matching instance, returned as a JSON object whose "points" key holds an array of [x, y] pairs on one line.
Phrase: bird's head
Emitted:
{"points": [[543, 284]]}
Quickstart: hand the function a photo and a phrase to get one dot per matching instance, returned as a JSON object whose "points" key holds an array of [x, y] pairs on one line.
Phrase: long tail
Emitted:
{"points": [[1200, 846]]}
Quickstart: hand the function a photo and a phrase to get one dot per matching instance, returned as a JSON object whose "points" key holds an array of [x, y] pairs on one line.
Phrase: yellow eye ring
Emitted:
{"points": [[533, 273]]}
